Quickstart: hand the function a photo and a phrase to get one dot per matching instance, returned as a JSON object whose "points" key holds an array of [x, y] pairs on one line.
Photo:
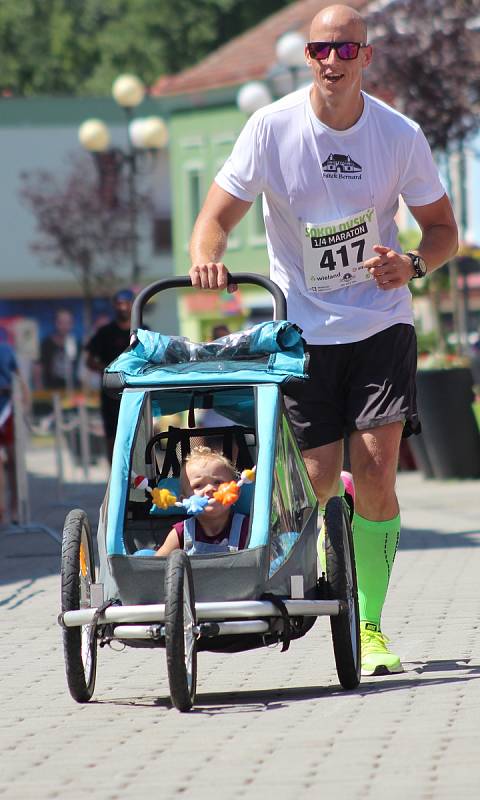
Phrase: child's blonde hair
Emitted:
{"points": [[201, 452]]}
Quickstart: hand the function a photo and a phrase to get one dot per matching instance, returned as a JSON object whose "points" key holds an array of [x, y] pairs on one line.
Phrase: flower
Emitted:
{"points": [[442, 361]]}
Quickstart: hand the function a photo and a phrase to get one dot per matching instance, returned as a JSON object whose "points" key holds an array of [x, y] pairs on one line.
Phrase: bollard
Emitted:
{"points": [[57, 424], [84, 439], [20, 447]]}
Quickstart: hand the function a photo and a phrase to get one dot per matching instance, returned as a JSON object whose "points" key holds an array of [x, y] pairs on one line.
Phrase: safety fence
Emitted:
{"points": [[70, 430]]}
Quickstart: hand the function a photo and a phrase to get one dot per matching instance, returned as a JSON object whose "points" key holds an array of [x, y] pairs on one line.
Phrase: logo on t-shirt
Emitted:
{"points": [[343, 167]]}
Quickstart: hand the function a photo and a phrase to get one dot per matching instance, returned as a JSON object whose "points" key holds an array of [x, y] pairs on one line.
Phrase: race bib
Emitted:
{"points": [[334, 252]]}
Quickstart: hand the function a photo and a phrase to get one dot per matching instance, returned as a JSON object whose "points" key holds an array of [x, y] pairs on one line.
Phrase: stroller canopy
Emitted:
{"points": [[270, 352]]}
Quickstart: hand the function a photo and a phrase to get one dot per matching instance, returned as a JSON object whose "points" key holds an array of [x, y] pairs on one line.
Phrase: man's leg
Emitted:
{"points": [[323, 465], [376, 530]]}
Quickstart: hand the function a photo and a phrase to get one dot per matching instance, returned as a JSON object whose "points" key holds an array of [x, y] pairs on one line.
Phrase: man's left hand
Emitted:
{"points": [[389, 268]]}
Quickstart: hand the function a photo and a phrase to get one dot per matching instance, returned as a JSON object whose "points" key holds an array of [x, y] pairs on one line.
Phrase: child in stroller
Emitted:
{"points": [[217, 529]]}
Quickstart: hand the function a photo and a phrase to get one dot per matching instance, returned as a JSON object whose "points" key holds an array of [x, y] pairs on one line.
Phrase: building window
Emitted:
{"points": [[194, 194]]}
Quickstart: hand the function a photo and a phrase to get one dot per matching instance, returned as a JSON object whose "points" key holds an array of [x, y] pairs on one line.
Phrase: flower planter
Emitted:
{"points": [[449, 428]]}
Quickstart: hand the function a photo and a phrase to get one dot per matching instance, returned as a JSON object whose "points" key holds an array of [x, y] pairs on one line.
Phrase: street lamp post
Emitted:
{"points": [[144, 135]]}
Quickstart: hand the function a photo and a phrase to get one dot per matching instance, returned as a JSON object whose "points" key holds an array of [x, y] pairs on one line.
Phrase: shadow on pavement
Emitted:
{"points": [[215, 703], [30, 553], [425, 539]]}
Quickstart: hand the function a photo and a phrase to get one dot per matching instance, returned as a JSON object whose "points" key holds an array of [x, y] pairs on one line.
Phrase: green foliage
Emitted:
{"points": [[80, 46], [426, 58], [409, 238]]}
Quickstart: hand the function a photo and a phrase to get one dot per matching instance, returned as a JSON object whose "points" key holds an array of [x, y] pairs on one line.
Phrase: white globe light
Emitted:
{"points": [[94, 135], [252, 96], [128, 91], [155, 133], [290, 49], [135, 132]]}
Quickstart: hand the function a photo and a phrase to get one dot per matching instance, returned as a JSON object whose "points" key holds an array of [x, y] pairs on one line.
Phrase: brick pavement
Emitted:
{"points": [[265, 722]]}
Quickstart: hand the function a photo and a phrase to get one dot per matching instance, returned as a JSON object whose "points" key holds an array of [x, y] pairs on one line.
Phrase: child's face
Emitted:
{"points": [[203, 477]]}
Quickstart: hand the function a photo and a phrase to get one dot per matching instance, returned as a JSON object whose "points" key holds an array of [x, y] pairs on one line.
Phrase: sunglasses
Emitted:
{"points": [[347, 51]]}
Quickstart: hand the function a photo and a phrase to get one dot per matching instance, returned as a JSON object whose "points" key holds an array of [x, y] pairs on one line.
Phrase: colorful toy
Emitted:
{"points": [[163, 498], [227, 493], [196, 503]]}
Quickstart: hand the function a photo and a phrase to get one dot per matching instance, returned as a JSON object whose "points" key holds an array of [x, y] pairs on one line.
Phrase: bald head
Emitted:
{"points": [[342, 18]]}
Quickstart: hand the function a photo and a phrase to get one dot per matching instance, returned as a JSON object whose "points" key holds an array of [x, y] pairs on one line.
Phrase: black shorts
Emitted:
{"points": [[356, 386]]}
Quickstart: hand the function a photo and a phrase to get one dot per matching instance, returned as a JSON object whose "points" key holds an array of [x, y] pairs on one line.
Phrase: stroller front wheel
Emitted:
{"points": [[180, 638], [78, 574], [342, 585]]}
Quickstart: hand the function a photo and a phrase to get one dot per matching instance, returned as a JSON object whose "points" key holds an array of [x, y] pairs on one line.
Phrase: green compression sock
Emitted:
{"points": [[375, 545]]}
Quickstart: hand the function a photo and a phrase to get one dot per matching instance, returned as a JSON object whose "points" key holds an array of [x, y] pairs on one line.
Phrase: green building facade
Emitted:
{"points": [[201, 139]]}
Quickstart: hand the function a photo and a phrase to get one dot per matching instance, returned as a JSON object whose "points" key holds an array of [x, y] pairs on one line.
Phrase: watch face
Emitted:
{"points": [[420, 267], [418, 264]]}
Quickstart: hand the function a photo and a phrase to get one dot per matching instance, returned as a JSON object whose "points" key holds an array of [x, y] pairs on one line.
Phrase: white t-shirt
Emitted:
{"points": [[311, 173]]}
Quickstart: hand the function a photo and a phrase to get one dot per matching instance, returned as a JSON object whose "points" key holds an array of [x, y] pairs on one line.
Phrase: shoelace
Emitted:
{"points": [[376, 641]]}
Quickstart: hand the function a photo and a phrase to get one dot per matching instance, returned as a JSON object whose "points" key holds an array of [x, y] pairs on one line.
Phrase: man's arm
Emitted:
{"points": [[220, 213], [439, 243]]}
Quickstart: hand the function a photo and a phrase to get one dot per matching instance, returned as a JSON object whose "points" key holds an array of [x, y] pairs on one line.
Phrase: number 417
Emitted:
{"points": [[328, 261]]}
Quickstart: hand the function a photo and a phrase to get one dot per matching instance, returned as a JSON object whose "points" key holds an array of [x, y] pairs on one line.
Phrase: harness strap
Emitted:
{"points": [[287, 628]]}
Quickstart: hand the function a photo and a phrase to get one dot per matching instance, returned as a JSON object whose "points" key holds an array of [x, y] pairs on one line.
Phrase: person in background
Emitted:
{"points": [[8, 474], [59, 353], [218, 331], [105, 345]]}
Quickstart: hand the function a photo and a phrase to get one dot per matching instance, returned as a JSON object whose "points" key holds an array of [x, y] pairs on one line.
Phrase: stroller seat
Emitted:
{"points": [[166, 451]]}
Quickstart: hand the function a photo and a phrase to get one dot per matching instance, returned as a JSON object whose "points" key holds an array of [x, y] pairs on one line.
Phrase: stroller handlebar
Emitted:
{"points": [[279, 302]]}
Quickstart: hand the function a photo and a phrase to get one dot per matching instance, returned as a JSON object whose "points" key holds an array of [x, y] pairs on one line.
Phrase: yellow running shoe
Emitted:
{"points": [[376, 657]]}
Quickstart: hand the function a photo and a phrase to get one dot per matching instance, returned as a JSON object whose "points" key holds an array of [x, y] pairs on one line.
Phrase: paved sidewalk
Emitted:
{"points": [[265, 722]]}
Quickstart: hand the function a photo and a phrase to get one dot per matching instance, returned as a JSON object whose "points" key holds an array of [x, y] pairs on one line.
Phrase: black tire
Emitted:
{"points": [[180, 639], [342, 585], [78, 573]]}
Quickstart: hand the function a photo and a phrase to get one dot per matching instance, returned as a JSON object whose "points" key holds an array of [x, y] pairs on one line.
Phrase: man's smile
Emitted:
{"points": [[332, 77]]}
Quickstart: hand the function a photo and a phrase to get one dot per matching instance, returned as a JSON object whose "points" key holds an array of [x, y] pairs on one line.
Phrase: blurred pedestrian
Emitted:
{"points": [[218, 331], [8, 472], [59, 354], [105, 345]]}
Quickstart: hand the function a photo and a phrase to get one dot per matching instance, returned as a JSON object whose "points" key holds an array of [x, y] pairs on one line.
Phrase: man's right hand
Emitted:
{"points": [[212, 275]]}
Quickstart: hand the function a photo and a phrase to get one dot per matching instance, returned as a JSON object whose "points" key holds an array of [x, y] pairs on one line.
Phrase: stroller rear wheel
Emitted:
{"points": [[342, 585], [180, 638], [78, 573]]}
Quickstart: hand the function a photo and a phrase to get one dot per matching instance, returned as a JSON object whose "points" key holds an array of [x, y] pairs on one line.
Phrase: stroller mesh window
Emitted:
{"points": [[167, 450], [293, 498]]}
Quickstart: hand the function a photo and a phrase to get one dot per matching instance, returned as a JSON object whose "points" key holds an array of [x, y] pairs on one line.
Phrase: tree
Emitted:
{"points": [[83, 224], [65, 47], [427, 56]]}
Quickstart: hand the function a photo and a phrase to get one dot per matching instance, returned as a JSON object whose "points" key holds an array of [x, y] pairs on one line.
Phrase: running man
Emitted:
{"points": [[331, 162]]}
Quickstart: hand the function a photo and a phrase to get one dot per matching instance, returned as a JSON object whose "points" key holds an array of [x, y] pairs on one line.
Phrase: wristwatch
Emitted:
{"points": [[418, 264]]}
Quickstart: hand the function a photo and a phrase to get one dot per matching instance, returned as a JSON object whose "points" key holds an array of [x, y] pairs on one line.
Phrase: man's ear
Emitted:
{"points": [[367, 56], [308, 60]]}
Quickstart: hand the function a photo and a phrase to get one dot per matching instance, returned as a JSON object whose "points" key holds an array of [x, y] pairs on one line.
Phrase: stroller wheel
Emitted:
{"points": [[78, 573], [180, 638], [342, 585]]}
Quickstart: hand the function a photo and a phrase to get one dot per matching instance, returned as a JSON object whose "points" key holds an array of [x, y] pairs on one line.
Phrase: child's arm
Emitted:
{"points": [[170, 544]]}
